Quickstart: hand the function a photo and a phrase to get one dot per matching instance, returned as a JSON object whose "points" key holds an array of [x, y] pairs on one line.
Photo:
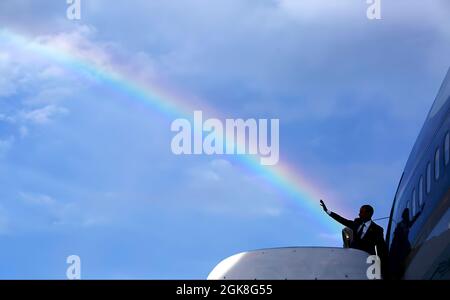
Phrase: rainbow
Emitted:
{"points": [[289, 181]]}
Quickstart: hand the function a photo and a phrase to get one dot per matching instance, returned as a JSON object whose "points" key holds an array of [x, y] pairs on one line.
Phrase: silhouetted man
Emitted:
{"points": [[401, 246], [366, 234]]}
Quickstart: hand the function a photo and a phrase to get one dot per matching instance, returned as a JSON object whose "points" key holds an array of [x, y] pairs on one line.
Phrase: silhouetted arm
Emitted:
{"points": [[335, 216], [341, 220], [414, 219], [411, 223]]}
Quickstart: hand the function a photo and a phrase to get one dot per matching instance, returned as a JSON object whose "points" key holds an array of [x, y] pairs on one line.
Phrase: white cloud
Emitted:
{"points": [[78, 43], [214, 171], [7, 72], [6, 118], [220, 164], [38, 199], [44, 115], [83, 44], [50, 211], [52, 72], [42, 86], [221, 188], [5, 145], [23, 131], [4, 57]]}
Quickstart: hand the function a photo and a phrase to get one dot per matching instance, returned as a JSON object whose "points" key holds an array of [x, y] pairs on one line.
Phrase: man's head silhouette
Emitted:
{"points": [[366, 212]]}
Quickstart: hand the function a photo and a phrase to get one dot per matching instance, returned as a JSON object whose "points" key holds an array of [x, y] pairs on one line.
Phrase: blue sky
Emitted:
{"points": [[86, 171]]}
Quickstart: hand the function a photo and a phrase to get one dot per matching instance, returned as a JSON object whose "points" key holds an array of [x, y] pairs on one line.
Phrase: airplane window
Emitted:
{"points": [[447, 148], [436, 164], [421, 191], [428, 177], [414, 204]]}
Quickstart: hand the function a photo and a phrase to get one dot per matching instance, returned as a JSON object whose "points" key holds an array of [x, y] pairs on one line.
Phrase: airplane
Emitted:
{"points": [[418, 232]]}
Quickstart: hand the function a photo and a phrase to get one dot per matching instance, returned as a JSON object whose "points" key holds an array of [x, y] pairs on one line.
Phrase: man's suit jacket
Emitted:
{"points": [[373, 236]]}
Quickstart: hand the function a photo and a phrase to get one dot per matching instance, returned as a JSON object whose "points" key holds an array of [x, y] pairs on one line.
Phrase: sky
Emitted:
{"points": [[86, 168]]}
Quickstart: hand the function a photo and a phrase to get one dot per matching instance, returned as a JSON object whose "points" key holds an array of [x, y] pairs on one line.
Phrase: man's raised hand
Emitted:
{"points": [[323, 205]]}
